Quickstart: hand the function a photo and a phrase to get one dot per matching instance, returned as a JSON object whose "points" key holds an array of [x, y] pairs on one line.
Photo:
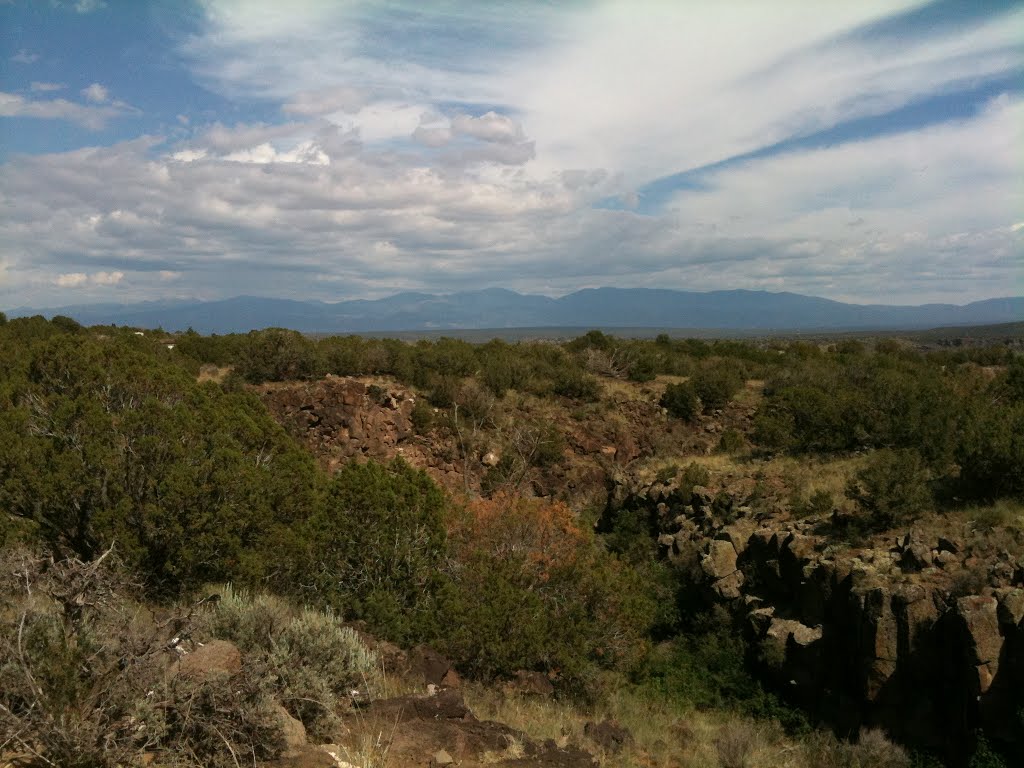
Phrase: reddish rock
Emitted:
{"points": [[609, 735], [428, 664]]}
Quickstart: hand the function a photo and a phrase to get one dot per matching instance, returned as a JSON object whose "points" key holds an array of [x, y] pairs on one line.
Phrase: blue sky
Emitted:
{"points": [[868, 151]]}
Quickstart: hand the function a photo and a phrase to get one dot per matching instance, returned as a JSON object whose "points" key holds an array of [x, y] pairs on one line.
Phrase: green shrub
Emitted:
{"points": [[422, 417], [311, 660], [643, 368], [575, 384], [984, 755], [100, 440], [502, 476], [374, 547], [529, 590], [681, 401], [731, 441], [549, 447], [892, 489], [694, 474], [66, 324], [277, 354], [990, 452], [667, 473], [819, 504], [871, 750], [445, 392], [716, 384], [706, 669]]}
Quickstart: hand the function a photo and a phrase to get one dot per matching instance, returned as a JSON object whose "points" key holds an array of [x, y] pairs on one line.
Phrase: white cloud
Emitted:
{"points": [[13, 105], [93, 117], [71, 280], [307, 152], [850, 222], [685, 85], [107, 278], [79, 279], [435, 133], [416, 155], [385, 120], [24, 56], [45, 87], [88, 6], [641, 94], [311, 103], [488, 127], [96, 93], [221, 138], [958, 176]]}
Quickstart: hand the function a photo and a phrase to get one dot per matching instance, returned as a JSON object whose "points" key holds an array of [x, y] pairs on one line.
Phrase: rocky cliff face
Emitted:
{"points": [[922, 636]]}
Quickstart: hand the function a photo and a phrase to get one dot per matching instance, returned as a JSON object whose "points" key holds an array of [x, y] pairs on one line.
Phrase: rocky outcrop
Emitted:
{"points": [[609, 735], [343, 417], [922, 635]]}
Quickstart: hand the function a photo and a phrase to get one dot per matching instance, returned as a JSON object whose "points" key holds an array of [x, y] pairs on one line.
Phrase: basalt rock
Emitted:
{"points": [[921, 637], [343, 417]]}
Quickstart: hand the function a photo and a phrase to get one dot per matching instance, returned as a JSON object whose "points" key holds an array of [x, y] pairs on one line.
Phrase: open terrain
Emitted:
{"points": [[352, 551]]}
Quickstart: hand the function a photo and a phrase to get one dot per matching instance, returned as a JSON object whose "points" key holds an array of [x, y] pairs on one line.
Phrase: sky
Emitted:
{"points": [[868, 151]]}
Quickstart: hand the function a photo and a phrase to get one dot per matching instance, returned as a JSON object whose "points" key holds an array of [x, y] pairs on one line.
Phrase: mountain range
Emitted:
{"points": [[499, 308]]}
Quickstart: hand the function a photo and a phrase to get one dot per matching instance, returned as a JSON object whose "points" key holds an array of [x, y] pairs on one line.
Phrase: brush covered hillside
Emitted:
{"points": [[268, 550]]}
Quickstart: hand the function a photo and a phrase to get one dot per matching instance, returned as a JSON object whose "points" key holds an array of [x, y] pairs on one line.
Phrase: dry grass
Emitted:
{"points": [[622, 390], [807, 475], [213, 373], [752, 393], [718, 464], [665, 379], [664, 735], [1005, 513], [366, 747]]}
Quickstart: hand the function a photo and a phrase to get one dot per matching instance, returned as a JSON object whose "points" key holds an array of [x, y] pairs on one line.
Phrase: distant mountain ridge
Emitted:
{"points": [[501, 308]]}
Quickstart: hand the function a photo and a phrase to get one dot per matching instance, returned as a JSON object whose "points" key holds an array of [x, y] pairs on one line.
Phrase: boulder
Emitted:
{"points": [[609, 735], [720, 559], [759, 619], [441, 758], [446, 705], [916, 614], [729, 587], [979, 621], [701, 498], [294, 731], [1010, 606], [783, 641], [951, 546], [428, 664]]}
